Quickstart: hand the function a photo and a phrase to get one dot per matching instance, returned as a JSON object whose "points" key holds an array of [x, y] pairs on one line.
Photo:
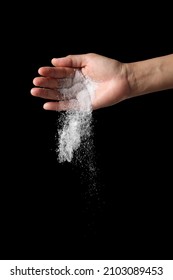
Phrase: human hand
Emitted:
{"points": [[109, 75]]}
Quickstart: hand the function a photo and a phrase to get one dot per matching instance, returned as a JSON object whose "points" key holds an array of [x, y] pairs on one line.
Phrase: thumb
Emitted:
{"points": [[75, 61]]}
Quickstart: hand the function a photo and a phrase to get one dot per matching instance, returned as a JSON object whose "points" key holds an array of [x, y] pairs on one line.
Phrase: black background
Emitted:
{"points": [[47, 211]]}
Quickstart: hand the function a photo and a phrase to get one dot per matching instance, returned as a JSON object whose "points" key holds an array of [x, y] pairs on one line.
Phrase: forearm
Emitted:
{"points": [[150, 75]]}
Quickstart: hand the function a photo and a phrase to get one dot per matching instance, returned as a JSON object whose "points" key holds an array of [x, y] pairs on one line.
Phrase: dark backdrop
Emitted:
{"points": [[47, 210]]}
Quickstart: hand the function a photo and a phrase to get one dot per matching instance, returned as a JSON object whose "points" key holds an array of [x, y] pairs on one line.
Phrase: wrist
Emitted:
{"points": [[131, 78], [144, 77]]}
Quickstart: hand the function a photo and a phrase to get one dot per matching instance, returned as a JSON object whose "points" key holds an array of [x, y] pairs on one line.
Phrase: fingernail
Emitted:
{"points": [[46, 106]]}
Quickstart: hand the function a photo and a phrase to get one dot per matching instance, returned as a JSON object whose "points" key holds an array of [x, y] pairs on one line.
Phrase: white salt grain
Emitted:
{"points": [[76, 123]]}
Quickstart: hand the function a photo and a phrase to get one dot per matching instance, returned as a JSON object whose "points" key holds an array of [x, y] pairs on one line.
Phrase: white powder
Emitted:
{"points": [[75, 123]]}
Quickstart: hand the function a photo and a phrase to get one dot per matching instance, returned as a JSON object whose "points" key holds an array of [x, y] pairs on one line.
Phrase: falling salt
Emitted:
{"points": [[76, 123], [75, 142]]}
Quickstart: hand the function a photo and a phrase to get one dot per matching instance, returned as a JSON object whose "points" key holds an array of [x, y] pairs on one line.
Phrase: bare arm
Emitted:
{"points": [[150, 75]]}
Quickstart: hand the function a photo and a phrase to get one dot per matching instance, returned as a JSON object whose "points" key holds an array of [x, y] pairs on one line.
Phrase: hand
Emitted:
{"points": [[110, 76]]}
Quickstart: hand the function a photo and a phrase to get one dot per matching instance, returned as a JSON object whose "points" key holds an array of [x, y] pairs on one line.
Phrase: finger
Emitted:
{"points": [[62, 105], [56, 72], [46, 82], [76, 61], [46, 93]]}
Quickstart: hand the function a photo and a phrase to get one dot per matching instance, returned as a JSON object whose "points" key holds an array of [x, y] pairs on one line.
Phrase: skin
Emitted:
{"points": [[115, 81]]}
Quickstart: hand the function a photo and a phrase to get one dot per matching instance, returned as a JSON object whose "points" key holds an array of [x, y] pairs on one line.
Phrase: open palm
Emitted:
{"points": [[109, 75]]}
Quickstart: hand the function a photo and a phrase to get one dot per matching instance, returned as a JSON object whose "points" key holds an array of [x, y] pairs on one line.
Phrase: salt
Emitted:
{"points": [[75, 123]]}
